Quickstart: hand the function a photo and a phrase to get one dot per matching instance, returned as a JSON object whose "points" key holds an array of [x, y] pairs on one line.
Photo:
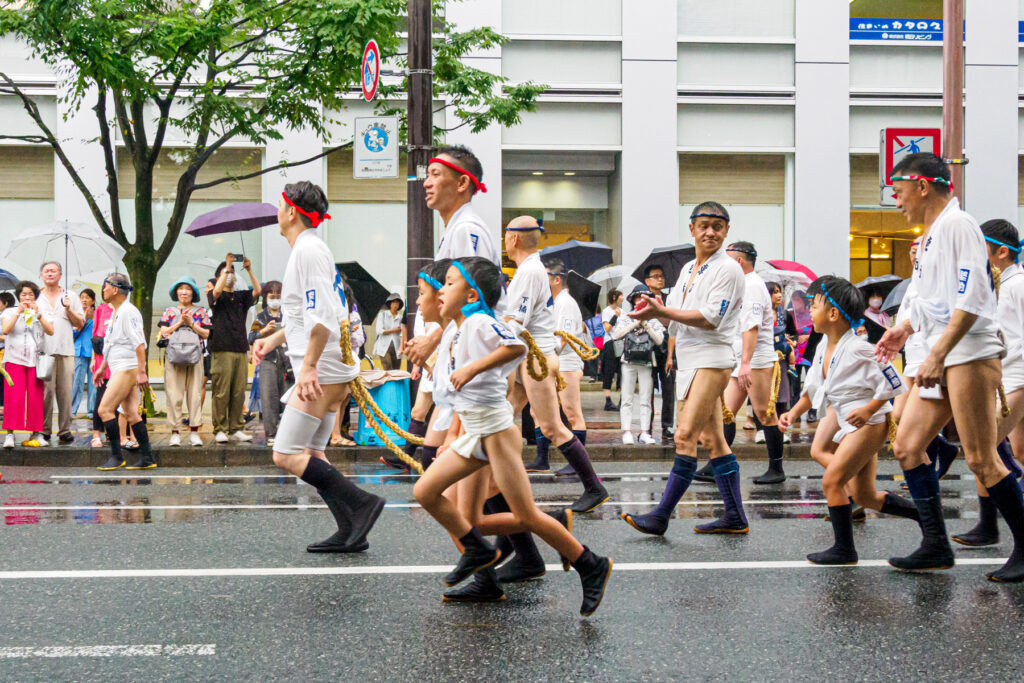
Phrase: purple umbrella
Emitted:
{"points": [[234, 218]]}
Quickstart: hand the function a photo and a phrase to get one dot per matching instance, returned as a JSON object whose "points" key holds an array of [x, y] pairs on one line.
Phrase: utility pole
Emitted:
{"points": [[420, 229], [953, 90]]}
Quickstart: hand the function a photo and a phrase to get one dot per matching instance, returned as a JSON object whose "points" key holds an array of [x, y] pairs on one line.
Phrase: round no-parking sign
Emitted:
{"points": [[371, 70]]}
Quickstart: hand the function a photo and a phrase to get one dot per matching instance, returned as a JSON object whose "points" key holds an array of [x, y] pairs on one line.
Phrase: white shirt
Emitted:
{"points": [[124, 334], [624, 325], [952, 272], [527, 302], [854, 378], [388, 321], [1010, 312], [468, 235], [756, 311], [717, 292], [421, 328], [62, 341], [568, 319], [916, 348], [311, 295], [442, 393], [478, 336], [21, 345]]}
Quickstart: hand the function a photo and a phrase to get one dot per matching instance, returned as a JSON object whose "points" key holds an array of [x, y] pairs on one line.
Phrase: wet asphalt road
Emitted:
{"points": [[682, 607]]}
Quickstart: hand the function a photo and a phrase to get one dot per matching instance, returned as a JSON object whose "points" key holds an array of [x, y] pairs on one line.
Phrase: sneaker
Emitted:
{"points": [[194, 439], [270, 441], [66, 438], [627, 438], [112, 463], [240, 437], [40, 439], [9, 441], [759, 437], [175, 440], [787, 437], [221, 437], [96, 442], [646, 439]]}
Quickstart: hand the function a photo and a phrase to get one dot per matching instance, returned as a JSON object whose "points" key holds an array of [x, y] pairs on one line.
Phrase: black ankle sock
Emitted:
{"points": [[416, 428], [730, 433], [113, 432], [428, 455], [581, 434], [773, 442], [141, 435]]}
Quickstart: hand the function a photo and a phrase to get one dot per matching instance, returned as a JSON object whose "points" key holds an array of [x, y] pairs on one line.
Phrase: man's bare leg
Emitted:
{"points": [[302, 437]]}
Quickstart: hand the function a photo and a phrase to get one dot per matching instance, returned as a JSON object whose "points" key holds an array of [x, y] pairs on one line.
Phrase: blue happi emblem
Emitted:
{"points": [[523, 305], [724, 307], [962, 278], [310, 299], [892, 377], [502, 332], [476, 240]]}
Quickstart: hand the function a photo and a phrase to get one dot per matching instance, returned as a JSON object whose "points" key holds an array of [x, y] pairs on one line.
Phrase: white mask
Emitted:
{"points": [[875, 302], [273, 304], [230, 280]]}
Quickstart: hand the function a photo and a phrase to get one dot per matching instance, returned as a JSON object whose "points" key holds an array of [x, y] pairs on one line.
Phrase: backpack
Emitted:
{"points": [[184, 347], [637, 347]]}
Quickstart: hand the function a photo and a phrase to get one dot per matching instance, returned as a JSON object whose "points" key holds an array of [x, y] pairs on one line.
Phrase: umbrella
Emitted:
{"points": [[8, 279], [583, 257], [85, 246], [235, 218], [780, 264], [785, 278], [895, 299], [369, 294], [586, 293], [206, 261], [608, 277], [885, 283], [669, 259]]}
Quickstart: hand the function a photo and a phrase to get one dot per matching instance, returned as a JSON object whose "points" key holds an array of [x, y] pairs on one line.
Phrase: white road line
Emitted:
{"points": [[50, 651], [424, 569], [118, 477], [393, 506]]}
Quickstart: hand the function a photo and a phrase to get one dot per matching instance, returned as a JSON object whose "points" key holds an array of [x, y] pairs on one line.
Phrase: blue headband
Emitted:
{"points": [[430, 281], [478, 306], [854, 324], [539, 226], [1015, 250]]}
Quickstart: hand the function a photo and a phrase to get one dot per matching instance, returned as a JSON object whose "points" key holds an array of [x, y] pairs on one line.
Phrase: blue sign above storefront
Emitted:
{"points": [[907, 30]]}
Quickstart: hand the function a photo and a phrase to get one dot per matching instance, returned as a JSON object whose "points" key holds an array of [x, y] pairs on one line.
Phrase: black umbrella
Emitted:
{"points": [[670, 259], [882, 283], [895, 299], [369, 294], [586, 293], [583, 257]]}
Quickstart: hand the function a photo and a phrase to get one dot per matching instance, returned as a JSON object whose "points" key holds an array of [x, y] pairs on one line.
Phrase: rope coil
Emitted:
{"points": [[578, 345], [534, 357], [369, 408]]}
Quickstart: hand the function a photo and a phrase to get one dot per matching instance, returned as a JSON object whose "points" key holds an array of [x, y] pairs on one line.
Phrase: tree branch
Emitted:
{"points": [[283, 164], [108, 159]]}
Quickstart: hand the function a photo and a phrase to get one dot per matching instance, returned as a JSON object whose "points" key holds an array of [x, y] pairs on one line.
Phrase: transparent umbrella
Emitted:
{"points": [[80, 247]]}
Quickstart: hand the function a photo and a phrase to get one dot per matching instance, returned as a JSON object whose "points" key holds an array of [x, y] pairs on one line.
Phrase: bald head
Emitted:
{"points": [[525, 231], [523, 223]]}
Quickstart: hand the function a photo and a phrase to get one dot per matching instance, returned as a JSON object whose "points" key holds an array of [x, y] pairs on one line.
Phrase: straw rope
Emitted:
{"points": [[534, 356], [578, 345]]}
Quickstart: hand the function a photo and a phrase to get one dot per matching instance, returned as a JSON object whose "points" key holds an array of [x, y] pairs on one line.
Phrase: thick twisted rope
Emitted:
{"points": [[366, 404], [578, 346], [892, 431], [3, 371], [776, 385], [727, 415], [1004, 408], [534, 357], [559, 383]]}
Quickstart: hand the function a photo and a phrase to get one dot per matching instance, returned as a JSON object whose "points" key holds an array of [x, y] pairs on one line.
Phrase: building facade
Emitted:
{"points": [[772, 107]]}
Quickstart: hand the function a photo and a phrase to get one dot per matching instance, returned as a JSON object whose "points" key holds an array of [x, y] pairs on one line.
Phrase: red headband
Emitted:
{"points": [[458, 169], [313, 216]]}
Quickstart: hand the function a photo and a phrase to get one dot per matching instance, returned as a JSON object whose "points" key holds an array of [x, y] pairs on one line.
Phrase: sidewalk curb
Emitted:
{"points": [[257, 456]]}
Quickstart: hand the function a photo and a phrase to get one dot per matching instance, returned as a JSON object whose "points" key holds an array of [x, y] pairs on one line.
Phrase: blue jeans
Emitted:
{"points": [[83, 377]]}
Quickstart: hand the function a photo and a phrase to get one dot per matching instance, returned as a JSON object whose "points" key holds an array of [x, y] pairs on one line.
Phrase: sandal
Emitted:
{"points": [[96, 442], [341, 441], [131, 445]]}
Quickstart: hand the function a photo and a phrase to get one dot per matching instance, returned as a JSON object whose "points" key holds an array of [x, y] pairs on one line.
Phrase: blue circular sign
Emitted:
{"points": [[375, 139]]}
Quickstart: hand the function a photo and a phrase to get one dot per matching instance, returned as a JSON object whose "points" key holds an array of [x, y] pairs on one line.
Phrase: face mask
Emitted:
{"points": [[875, 302], [273, 304], [230, 280]]}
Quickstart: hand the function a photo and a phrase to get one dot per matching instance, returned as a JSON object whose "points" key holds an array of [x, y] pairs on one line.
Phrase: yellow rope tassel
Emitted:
{"points": [[1004, 409], [534, 357], [366, 405], [727, 416], [997, 277], [776, 385], [559, 382], [892, 431], [3, 372], [576, 344]]}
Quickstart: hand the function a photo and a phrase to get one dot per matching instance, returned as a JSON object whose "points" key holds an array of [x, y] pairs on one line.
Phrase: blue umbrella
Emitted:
{"points": [[583, 257], [7, 279]]}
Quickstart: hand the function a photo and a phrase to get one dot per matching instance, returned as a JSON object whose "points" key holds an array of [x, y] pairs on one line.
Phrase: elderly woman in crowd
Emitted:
{"points": [[390, 333], [184, 326], [24, 329]]}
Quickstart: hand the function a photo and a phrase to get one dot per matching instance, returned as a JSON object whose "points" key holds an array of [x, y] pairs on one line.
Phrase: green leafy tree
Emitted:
{"points": [[219, 71]]}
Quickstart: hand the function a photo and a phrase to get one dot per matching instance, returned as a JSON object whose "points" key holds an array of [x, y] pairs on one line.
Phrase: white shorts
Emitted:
{"points": [[119, 364], [329, 370], [757, 363], [570, 362], [1013, 375], [479, 422], [443, 416]]}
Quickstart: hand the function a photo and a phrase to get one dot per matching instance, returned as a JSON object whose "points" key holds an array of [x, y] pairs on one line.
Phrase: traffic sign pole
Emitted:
{"points": [[420, 220], [953, 90]]}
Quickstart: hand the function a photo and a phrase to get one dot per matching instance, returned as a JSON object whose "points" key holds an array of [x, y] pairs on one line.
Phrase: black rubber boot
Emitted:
{"points": [[1010, 502], [934, 551], [609, 406], [114, 462], [148, 460], [564, 517], [774, 473], [483, 588], [590, 499], [898, 506], [566, 471], [478, 554], [594, 572], [705, 474], [986, 531], [842, 551]]}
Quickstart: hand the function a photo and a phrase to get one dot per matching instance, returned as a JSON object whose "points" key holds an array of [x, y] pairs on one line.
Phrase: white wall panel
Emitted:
{"points": [[761, 224], [865, 122], [648, 30], [559, 62], [581, 192], [705, 18], [568, 123], [721, 125], [16, 59], [562, 17], [718, 65], [896, 66], [15, 121]]}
